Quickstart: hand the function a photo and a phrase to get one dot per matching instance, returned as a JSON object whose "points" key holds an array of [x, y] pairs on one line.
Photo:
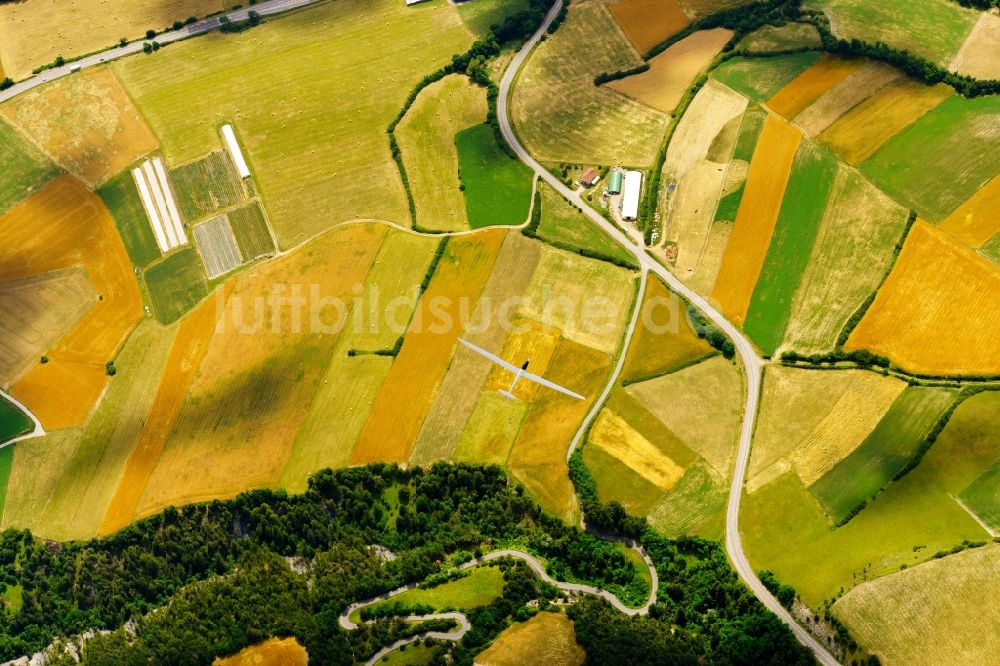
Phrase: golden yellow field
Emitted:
{"points": [[806, 88], [939, 311], [86, 123], [616, 437], [77, 230], [978, 55], [862, 130], [402, 402], [533, 341], [33, 34], [671, 72], [272, 652], [696, 9], [751, 237], [976, 221], [845, 95], [547, 638], [648, 22], [490, 430]]}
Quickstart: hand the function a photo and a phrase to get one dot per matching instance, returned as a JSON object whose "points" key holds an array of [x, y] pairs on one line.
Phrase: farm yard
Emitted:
{"points": [[496, 186]]}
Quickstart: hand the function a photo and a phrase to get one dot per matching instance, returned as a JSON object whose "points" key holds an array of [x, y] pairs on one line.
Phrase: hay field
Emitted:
{"points": [[617, 482], [77, 231], [278, 651], [889, 447], [932, 29], [38, 465], [613, 435], [974, 58], [561, 116], [587, 299], [845, 95], [186, 354], [563, 223], [405, 396], [538, 457], [176, 284], [35, 312], [939, 311], [942, 159], [860, 132], [779, 38], [697, 161], [975, 221], [792, 245], [982, 497], [547, 638], [206, 185], [808, 86], [646, 23], [497, 187], [933, 613], [260, 371], [31, 36], [693, 506], [426, 137], [26, 169], [481, 15], [654, 350], [860, 228], [701, 405], [759, 79], [121, 197], [313, 132], [671, 73], [769, 173], [85, 123], [490, 431], [457, 412]]}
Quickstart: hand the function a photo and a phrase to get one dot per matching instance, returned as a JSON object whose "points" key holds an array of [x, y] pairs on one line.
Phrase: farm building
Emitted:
{"points": [[630, 194], [589, 177], [615, 184], [233, 146]]}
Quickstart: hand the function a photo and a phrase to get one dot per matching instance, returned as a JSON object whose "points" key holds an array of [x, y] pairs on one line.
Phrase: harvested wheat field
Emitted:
{"points": [[853, 250], [262, 368], [648, 22], [272, 652], [701, 404], [670, 73], [612, 434], [845, 95], [398, 410], [186, 354], [939, 311], [86, 123], [765, 187], [538, 458], [528, 340], [857, 134], [454, 403], [976, 221], [426, 138], [806, 88], [697, 160], [35, 312], [67, 225], [978, 56], [939, 612], [547, 638]]}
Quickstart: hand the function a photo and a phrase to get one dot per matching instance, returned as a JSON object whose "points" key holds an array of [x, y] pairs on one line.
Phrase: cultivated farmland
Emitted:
{"points": [[760, 78], [613, 435], [251, 231], [982, 497], [206, 185], [670, 73], [955, 295], [313, 132], [807, 87], [779, 38], [977, 57], [176, 284], [497, 186], [943, 158], [926, 614], [25, 168], [217, 246], [121, 197], [648, 22], [563, 224], [426, 137], [556, 90], [976, 221], [694, 505], [845, 95], [546, 638], [86, 123]]}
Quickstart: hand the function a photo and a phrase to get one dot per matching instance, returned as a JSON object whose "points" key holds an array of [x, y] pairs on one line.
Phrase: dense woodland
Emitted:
{"points": [[207, 580]]}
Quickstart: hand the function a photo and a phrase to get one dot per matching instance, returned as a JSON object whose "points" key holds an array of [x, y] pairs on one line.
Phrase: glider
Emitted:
{"points": [[519, 373]]}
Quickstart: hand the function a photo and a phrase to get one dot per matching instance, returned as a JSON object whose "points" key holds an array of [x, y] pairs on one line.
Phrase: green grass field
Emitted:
{"points": [[479, 588], [251, 232], [497, 186], [938, 162], [480, 15], [884, 453], [25, 169], [176, 284], [983, 496], [691, 505], [563, 224], [310, 95], [760, 78], [794, 235], [6, 460], [206, 185], [753, 123], [617, 482], [13, 422], [122, 199], [932, 29]]}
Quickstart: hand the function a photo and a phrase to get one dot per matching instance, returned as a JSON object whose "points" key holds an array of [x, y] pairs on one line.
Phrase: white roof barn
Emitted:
{"points": [[630, 194]]}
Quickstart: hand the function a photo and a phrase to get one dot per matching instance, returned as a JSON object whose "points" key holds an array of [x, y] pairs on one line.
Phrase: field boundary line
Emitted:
{"points": [[38, 430], [972, 514]]}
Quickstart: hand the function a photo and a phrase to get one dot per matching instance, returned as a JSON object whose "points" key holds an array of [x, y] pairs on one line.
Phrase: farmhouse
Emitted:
{"points": [[233, 146], [615, 184], [630, 195], [589, 177]]}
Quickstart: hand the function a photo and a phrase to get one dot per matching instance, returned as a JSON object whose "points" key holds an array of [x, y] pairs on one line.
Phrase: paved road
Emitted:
{"points": [[751, 361], [38, 430]]}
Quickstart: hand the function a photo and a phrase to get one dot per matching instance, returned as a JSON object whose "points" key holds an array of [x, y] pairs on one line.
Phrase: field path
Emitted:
{"points": [[751, 362]]}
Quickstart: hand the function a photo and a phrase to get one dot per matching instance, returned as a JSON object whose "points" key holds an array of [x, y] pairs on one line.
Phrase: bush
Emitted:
{"points": [[110, 369], [150, 34]]}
